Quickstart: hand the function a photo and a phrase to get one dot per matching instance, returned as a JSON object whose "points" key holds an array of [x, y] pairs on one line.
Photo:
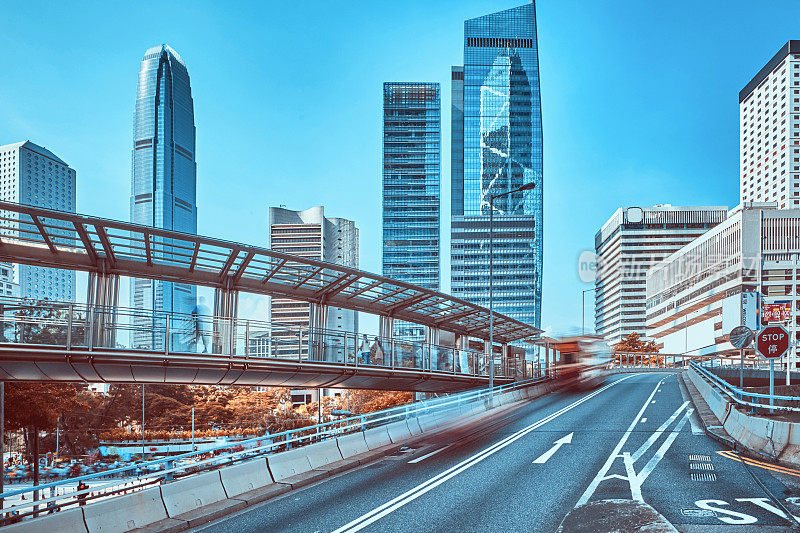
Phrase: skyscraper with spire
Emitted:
{"points": [[163, 177]]}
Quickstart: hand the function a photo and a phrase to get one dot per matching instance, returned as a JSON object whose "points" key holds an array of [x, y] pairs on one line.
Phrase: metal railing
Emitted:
{"points": [[634, 360], [90, 327], [753, 399], [165, 469]]}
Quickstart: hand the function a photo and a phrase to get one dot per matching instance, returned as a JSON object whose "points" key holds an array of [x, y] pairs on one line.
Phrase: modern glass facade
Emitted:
{"points": [[411, 187], [164, 176], [497, 147]]}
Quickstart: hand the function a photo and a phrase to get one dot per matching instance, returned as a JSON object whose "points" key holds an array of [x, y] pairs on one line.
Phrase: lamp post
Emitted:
{"points": [[583, 306], [526, 187]]}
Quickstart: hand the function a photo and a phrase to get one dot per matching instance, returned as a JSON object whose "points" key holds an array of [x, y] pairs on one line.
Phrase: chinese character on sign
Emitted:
{"points": [[776, 313]]}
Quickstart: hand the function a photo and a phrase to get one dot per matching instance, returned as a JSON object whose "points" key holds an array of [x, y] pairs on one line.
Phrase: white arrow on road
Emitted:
{"points": [[549, 453]]}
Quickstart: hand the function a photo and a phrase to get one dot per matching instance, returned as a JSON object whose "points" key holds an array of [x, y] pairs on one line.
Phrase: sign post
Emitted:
{"points": [[772, 342]]}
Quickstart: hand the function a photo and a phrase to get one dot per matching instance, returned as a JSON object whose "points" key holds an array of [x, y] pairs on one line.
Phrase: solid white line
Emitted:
{"points": [[614, 454], [418, 459], [379, 512], [654, 437], [651, 464]]}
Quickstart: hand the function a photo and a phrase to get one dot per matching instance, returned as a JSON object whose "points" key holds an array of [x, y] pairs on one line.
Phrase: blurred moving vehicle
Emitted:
{"points": [[584, 364]]}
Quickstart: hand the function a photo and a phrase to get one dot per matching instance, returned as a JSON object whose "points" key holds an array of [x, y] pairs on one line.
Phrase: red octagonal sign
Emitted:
{"points": [[772, 342]]}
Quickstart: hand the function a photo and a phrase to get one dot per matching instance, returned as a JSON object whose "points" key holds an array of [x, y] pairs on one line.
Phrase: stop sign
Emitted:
{"points": [[772, 342]]}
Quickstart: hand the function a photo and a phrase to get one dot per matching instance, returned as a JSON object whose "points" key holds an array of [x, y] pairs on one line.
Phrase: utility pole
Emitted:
{"points": [[2, 438], [192, 428], [142, 421], [583, 307]]}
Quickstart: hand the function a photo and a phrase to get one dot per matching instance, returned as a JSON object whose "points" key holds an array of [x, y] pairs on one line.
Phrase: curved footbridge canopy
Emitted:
{"points": [[107, 249]]}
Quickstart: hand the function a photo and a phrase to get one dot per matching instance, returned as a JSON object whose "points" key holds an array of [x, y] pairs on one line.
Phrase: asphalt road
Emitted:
{"points": [[635, 438]]}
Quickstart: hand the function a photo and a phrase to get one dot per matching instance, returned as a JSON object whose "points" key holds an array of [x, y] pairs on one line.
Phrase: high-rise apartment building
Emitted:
{"points": [[497, 147], [164, 176], [312, 235], [33, 175], [411, 185], [627, 246], [769, 122]]}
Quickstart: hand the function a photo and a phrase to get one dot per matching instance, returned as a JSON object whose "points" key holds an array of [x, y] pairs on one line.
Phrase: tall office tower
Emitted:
{"points": [[164, 178], [497, 148], [411, 185], [633, 240], [769, 131], [33, 175], [309, 234]]}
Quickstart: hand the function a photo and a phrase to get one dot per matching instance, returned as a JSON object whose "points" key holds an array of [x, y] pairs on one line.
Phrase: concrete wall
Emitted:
{"points": [[775, 439]]}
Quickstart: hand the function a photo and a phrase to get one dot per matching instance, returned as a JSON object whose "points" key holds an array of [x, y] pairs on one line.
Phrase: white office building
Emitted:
{"points": [[694, 295], [312, 235], [629, 243], [769, 118], [33, 175]]}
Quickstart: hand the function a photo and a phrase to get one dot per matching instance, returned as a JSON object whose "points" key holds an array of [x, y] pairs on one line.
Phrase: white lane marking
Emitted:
{"points": [[601, 475], [731, 517], [764, 503], [422, 458], [643, 420], [633, 479], [556, 445], [649, 442], [379, 512], [695, 425], [653, 462]]}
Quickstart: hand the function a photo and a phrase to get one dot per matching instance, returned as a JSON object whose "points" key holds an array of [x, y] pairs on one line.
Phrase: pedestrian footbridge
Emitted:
{"points": [[100, 341]]}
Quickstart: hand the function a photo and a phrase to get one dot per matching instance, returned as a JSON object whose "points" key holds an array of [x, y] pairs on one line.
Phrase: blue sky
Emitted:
{"points": [[639, 104]]}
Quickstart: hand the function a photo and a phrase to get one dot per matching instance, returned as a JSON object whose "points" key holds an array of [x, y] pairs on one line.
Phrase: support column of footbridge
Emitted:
{"points": [[102, 299], [226, 304]]}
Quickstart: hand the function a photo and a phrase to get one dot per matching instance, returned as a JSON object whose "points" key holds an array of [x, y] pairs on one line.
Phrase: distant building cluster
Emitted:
{"points": [[496, 195], [677, 275]]}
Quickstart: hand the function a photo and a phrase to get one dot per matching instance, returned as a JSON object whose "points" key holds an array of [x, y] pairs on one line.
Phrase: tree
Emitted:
{"points": [[633, 344], [367, 401]]}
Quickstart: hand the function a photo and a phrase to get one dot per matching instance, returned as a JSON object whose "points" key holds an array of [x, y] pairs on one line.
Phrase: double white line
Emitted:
{"points": [[376, 514]]}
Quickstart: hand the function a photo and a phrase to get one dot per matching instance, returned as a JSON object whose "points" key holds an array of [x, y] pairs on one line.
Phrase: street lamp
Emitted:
{"points": [[526, 187], [583, 307]]}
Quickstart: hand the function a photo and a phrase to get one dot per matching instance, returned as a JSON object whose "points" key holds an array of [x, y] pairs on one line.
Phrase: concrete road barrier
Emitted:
{"points": [[429, 422], [125, 513], [287, 464], [353, 444], [69, 521], [244, 477], [377, 437], [323, 453], [413, 426], [398, 431], [192, 492], [775, 439]]}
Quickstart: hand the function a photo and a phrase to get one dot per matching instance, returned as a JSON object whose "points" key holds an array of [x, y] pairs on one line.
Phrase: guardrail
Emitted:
{"points": [[165, 469], [82, 327], [754, 398]]}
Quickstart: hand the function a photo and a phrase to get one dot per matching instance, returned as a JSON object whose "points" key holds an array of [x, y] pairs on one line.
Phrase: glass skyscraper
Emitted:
{"points": [[164, 176], [497, 147], [411, 187]]}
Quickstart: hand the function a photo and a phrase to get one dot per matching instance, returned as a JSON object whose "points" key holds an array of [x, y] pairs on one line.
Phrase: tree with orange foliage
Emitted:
{"points": [[367, 401], [633, 344]]}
